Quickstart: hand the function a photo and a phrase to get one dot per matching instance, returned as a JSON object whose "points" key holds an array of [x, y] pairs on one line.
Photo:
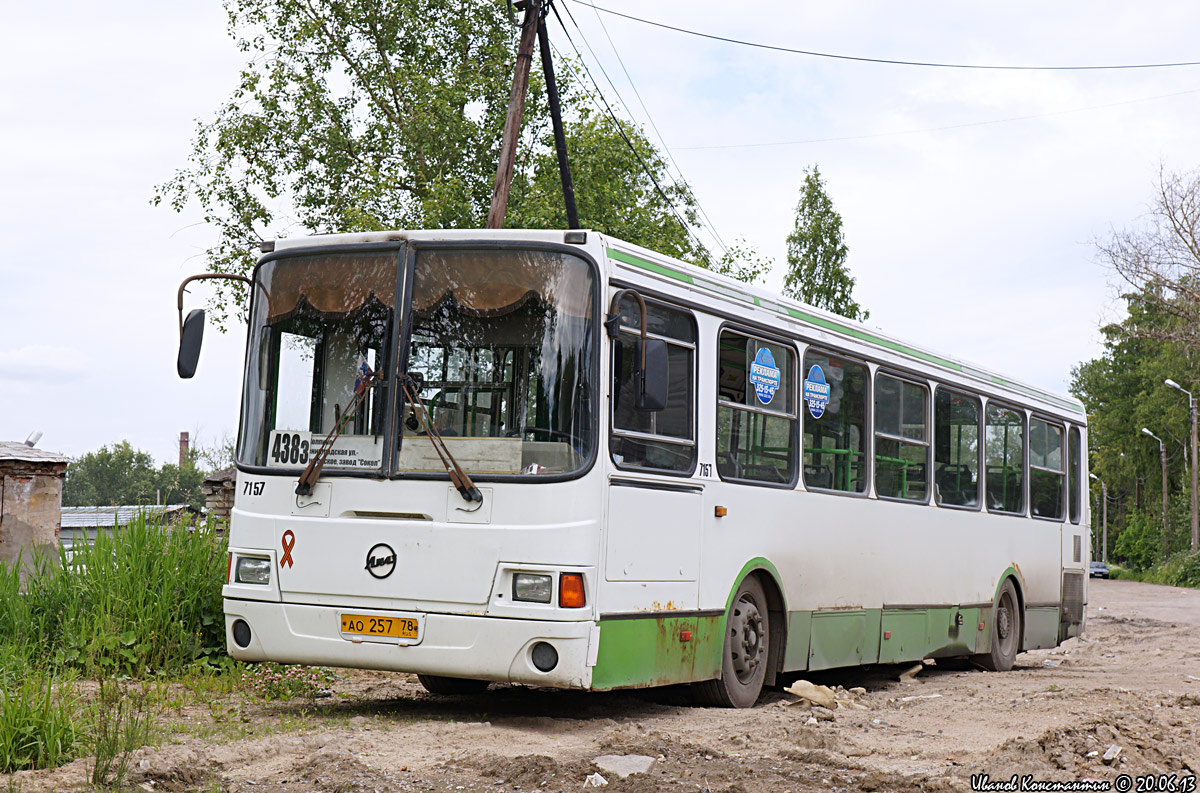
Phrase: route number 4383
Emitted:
{"points": [[289, 448]]}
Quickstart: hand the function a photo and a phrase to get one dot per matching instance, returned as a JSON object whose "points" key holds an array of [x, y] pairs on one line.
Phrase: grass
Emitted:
{"points": [[121, 723], [1179, 569], [140, 612], [142, 600], [144, 603], [38, 724]]}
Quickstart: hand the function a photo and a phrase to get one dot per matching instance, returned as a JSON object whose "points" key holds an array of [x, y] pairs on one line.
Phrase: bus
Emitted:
{"points": [[559, 459]]}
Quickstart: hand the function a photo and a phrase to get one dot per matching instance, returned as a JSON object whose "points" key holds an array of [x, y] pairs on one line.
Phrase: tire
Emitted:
{"points": [[1006, 631], [436, 684], [747, 648]]}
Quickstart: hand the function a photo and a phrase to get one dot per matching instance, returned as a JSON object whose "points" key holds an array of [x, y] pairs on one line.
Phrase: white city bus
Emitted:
{"points": [[559, 459]]}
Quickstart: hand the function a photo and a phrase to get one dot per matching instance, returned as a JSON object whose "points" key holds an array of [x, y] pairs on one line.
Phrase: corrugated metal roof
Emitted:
{"points": [[89, 517], [14, 450]]}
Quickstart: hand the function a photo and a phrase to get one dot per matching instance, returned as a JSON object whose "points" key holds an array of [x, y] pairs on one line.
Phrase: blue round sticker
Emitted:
{"points": [[764, 376], [816, 392]]}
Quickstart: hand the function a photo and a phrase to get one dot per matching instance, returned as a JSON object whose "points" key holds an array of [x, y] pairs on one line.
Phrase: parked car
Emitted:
{"points": [[1099, 570]]}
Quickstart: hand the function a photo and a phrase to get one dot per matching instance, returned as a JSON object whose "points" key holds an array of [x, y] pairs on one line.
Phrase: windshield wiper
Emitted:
{"points": [[462, 482], [313, 472]]}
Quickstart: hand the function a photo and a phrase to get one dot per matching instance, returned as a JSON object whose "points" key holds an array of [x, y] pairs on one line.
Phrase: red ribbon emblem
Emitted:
{"points": [[289, 542]]}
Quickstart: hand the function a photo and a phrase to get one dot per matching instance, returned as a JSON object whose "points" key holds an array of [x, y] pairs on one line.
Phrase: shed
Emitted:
{"points": [[81, 524], [218, 489], [31, 482]]}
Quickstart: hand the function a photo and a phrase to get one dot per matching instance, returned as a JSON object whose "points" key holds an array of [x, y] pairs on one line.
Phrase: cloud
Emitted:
{"points": [[38, 364]]}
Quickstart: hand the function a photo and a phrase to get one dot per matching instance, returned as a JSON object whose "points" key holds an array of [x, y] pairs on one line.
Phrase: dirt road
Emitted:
{"points": [[1132, 681]]}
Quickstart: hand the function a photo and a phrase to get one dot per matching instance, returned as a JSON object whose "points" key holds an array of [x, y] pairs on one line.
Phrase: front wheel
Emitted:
{"points": [[1006, 632], [744, 658], [436, 684]]}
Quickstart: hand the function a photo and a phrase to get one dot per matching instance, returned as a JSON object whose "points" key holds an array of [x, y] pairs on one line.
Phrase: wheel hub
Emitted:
{"points": [[1004, 622], [747, 639]]}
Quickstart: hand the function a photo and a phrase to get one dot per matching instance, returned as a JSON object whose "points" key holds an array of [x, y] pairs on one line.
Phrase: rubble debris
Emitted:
{"points": [[817, 695], [624, 765]]}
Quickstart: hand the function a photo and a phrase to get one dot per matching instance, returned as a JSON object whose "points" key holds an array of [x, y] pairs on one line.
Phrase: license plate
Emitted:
{"points": [[374, 625]]}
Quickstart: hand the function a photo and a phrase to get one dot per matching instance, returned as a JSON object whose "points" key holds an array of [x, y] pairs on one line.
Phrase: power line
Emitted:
{"points": [[621, 129], [888, 61], [711, 226], [938, 129]]}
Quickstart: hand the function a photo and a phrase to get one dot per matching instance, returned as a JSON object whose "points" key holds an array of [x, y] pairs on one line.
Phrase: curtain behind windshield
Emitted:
{"points": [[502, 344], [320, 332]]}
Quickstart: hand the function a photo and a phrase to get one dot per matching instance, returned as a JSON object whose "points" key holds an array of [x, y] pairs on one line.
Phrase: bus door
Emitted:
{"points": [[654, 535]]}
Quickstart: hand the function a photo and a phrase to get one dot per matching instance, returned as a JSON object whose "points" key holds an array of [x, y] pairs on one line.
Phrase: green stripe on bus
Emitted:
{"points": [[658, 651], [846, 330], [653, 267]]}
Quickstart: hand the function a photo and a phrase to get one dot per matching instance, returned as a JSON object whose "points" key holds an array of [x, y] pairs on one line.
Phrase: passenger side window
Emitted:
{"points": [[756, 409], [956, 449], [1004, 463], [661, 439], [901, 439], [835, 424], [1047, 478]]}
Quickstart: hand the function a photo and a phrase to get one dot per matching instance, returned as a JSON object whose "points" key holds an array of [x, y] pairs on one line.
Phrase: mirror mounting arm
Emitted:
{"points": [[189, 279], [612, 323]]}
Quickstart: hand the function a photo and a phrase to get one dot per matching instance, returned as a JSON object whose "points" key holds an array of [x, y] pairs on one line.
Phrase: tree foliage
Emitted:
{"points": [[1123, 391], [361, 116], [122, 475], [816, 253], [1160, 258]]}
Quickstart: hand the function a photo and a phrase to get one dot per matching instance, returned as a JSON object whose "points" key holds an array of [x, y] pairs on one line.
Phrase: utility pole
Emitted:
{"points": [[1104, 518], [560, 140], [1162, 451], [1192, 410], [512, 121]]}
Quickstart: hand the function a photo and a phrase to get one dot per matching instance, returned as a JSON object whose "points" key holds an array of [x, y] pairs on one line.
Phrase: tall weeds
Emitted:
{"points": [[145, 599]]}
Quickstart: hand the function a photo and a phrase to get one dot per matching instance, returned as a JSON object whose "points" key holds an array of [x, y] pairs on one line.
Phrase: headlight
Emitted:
{"points": [[533, 588], [253, 571]]}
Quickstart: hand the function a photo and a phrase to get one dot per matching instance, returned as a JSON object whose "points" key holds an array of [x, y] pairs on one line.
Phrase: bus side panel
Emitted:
{"points": [[658, 651], [844, 560]]}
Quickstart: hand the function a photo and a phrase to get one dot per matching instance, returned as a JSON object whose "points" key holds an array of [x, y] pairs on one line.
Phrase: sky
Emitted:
{"points": [[970, 198]]}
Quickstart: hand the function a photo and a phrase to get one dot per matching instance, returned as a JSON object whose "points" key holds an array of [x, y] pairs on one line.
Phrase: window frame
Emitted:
{"points": [[614, 432], [1024, 413], [796, 435], [927, 443], [980, 492], [1076, 490], [402, 349], [868, 420], [1064, 500]]}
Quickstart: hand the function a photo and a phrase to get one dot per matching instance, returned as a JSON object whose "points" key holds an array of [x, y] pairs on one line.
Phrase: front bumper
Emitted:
{"points": [[452, 645]]}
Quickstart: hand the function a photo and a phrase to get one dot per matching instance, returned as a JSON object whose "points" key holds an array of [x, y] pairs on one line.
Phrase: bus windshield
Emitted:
{"points": [[321, 326], [501, 343]]}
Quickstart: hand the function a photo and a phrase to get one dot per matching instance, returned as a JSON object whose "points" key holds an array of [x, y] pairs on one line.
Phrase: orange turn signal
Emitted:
{"points": [[570, 591], [720, 512], [229, 567]]}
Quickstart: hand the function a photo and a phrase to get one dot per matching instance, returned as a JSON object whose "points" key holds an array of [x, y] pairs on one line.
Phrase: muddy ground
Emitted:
{"points": [[1132, 682]]}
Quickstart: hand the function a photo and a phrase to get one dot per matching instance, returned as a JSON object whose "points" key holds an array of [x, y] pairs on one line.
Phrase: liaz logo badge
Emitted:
{"points": [[381, 560]]}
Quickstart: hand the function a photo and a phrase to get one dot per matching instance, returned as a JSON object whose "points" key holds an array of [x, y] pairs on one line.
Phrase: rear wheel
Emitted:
{"points": [[1006, 631], [744, 659], [436, 684]]}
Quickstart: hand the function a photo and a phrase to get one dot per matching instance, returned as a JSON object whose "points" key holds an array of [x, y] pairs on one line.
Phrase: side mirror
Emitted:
{"points": [[190, 339], [651, 388]]}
